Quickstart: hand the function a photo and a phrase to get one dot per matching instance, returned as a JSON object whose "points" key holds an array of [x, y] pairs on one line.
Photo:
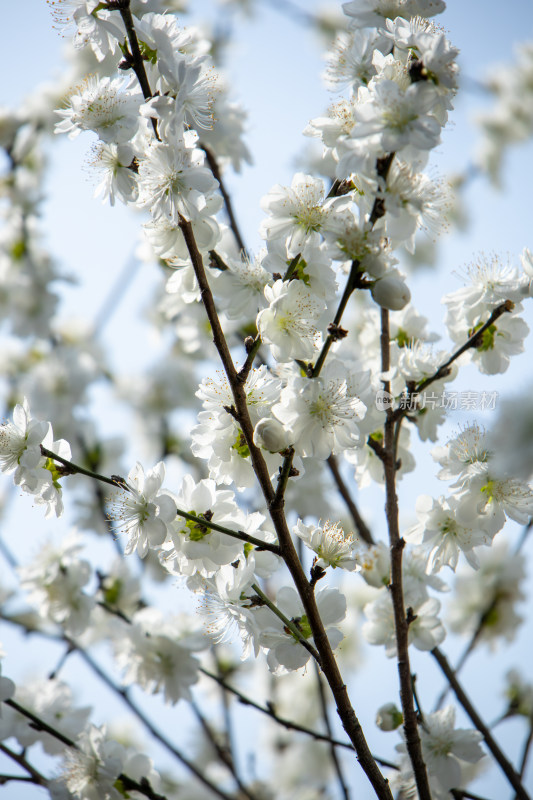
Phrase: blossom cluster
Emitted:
{"points": [[239, 512]]}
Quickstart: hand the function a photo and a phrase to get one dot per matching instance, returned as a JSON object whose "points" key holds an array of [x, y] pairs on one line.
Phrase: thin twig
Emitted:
{"points": [[125, 696], [136, 55], [351, 284], [225, 697], [19, 758], [473, 341], [73, 469], [293, 11], [469, 649], [222, 753], [284, 475], [60, 664], [119, 482], [289, 724], [360, 524], [336, 763], [525, 752], [354, 279], [40, 725], [93, 462], [4, 778], [116, 293], [292, 266], [462, 794], [491, 743], [241, 535], [213, 166], [250, 356]]}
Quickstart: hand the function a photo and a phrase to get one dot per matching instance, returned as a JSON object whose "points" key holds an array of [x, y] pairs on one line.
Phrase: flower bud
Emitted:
{"points": [[389, 717], [375, 565], [391, 292], [270, 434]]}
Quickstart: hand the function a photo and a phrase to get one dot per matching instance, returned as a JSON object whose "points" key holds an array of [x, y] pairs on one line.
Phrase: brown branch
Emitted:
{"points": [[18, 758], [136, 55], [525, 751], [360, 524], [241, 535], [354, 279], [336, 763], [485, 617], [222, 752], [74, 469], [213, 166], [251, 349], [40, 725], [474, 341], [124, 695], [397, 544], [288, 552], [115, 480], [491, 743], [285, 723]]}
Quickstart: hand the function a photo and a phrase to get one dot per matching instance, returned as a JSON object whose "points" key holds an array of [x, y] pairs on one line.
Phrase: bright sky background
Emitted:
{"points": [[274, 69]]}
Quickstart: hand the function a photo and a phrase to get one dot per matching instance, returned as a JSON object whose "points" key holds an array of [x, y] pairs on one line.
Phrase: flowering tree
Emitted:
{"points": [[308, 374]]}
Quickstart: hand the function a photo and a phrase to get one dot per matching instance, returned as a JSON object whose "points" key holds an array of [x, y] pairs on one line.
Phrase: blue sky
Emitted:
{"points": [[274, 69]]}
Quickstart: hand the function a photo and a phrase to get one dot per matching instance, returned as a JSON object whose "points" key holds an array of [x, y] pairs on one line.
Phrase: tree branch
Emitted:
{"points": [[285, 723], [401, 623], [241, 535], [362, 529], [213, 166], [18, 758], [288, 552], [75, 469], [41, 725], [336, 763], [473, 341], [506, 766], [223, 754]]}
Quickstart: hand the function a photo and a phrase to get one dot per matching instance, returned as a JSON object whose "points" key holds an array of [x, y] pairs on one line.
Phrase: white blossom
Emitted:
{"points": [[322, 414], [425, 631], [172, 181], [157, 655], [115, 162], [20, 442], [55, 580], [288, 324], [284, 650], [443, 536], [104, 106], [144, 512], [333, 547], [484, 601], [52, 701], [444, 748], [298, 213], [90, 772], [373, 13]]}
